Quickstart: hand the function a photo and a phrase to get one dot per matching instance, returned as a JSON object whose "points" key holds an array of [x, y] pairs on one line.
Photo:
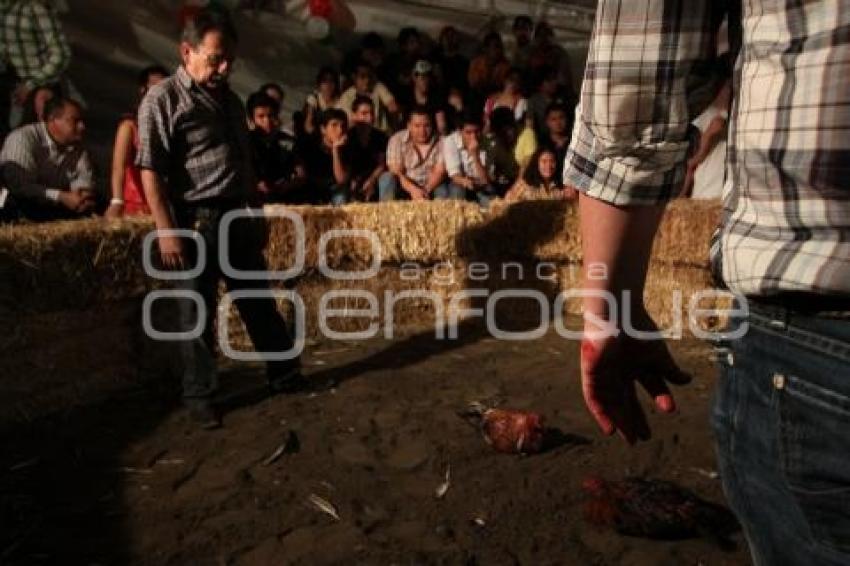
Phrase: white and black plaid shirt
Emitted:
{"points": [[32, 41], [198, 145], [652, 68]]}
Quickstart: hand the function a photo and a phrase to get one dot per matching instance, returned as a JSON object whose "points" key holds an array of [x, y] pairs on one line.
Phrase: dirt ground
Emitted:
{"points": [[130, 481]]}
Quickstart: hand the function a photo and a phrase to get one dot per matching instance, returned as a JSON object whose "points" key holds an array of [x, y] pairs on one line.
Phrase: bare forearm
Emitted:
{"points": [[617, 242], [340, 171], [157, 200]]}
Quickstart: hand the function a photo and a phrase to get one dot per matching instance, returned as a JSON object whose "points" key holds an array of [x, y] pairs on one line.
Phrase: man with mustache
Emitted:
{"points": [[196, 167]]}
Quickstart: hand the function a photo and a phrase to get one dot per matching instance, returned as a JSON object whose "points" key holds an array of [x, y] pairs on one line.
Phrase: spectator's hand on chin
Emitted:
{"points": [[610, 368]]}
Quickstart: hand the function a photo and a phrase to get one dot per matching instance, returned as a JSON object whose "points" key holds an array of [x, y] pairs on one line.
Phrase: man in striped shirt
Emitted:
{"points": [[782, 413]]}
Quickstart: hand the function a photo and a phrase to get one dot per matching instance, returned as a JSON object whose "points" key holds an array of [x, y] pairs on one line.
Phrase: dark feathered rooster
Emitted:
{"points": [[655, 509]]}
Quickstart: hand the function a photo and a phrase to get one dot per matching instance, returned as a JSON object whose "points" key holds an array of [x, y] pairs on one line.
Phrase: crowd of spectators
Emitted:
{"points": [[410, 123]]}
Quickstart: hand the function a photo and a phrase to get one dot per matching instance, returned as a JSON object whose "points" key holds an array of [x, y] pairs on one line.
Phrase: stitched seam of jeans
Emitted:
{"points": [[816, 342], [820, 396]]}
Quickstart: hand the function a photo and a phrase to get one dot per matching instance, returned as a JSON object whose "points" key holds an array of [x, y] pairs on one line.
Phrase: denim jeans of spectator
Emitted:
{"points": [[389, 189], [339, 195], [265, 326], [782, 423]]}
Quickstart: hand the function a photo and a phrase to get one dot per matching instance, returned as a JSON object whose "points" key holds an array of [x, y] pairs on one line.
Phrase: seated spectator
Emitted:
{"points": [[425, 93], [372, 51], [128, 196], [452, 66], [272, 148], [386, 108], [468, 164], [501, 145], [547, 53], [509, 97], [400, 66], [415, 162], [323, 164], [559, 126], [488, 70], [325, 96], [368, 150], [46, 168], [541, 181], [547, 92], [522, 30], [33, 108]]}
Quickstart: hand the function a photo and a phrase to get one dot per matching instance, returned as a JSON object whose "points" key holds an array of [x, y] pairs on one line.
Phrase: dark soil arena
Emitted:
{"points": [[100, 464]]}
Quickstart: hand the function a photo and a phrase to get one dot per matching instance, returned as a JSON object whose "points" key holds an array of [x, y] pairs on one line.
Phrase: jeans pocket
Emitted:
{"points": [[815, 452]]}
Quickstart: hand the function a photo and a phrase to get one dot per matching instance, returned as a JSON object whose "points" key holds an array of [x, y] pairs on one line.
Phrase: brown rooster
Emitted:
{"points": [[655, 509], [512, 432]]}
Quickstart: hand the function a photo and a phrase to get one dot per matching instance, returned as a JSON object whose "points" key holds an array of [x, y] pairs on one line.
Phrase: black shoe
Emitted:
{"points": [[288, 383], [203, 413]]}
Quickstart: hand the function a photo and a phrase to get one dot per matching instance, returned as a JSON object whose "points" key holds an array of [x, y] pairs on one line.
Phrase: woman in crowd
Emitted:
{"points": [[509, 97], [128, 197], [324, 97], [540, 180]]}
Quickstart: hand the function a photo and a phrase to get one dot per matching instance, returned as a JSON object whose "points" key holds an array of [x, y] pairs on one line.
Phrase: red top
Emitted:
{"points": [[134, 194]]}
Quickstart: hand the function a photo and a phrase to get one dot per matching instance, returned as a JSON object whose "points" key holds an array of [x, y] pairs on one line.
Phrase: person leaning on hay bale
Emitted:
{"points": [[196, 161], [46, 168], [540, 181]]}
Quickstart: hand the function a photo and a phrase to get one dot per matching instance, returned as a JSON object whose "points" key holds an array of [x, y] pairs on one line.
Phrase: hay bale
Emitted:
{"points": [[50, 266]]}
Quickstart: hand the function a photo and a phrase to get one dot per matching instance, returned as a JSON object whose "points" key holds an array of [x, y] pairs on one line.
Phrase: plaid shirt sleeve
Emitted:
{"points": [[394, 152], [652, 67], [55, 52], [154, 133]]}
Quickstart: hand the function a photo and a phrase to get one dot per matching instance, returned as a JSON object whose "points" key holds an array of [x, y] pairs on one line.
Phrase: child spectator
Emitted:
{"points": [[509, 97], [468, 164], [541, 180], [272, 149], [559, 126], [323, 164], [325, 96], [386, 108], [128, 196], [415, 161], [368, 150]]}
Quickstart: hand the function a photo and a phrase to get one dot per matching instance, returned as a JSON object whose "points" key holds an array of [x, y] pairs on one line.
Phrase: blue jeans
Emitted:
{"points": [[339, 195], [782, 423], [267, 329], [389, 189]]}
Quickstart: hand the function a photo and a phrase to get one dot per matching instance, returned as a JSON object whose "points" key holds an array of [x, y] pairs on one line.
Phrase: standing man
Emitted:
{"points": [[196, 166], [33, 48], [782, 411]]}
